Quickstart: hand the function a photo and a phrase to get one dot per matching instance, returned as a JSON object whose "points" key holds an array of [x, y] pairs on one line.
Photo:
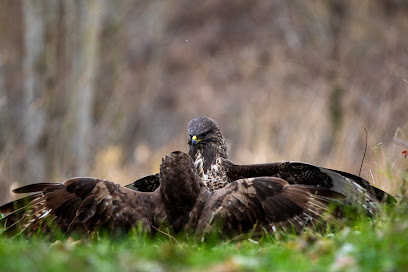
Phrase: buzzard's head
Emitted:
{"points": [[205, 139]]}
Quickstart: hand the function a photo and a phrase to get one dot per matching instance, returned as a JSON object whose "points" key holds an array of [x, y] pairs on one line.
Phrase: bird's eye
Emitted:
{"points": [[203, 134]]}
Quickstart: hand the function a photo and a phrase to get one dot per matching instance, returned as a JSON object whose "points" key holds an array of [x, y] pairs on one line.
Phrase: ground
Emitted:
{"points": [[379, 244]]}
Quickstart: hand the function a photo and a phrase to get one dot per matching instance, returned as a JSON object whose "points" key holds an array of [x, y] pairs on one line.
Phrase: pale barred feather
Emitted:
{"points": [[27, 217]]}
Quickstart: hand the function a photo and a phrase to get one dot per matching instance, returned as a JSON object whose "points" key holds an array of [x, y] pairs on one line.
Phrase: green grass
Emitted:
{"points": [[379, 244]]}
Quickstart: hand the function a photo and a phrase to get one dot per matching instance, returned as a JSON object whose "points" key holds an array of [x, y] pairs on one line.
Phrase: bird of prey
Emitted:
{"points": [[208, 149], [182, 201]]}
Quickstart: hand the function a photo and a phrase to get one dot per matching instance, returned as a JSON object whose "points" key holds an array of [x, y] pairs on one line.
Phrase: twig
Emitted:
{"points": [[401, 142], [235, 238], [166, 234], [365, 150]]}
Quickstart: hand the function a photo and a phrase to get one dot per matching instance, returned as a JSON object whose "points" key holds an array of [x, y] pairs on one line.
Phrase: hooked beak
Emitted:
{"points": [[194, 140]]}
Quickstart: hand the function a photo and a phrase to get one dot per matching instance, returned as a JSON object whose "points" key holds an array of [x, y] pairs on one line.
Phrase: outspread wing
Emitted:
{"points": [[80, 204], [265, 203], [359, 193]]}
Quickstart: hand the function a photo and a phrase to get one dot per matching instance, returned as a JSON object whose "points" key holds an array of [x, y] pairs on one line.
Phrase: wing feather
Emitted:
{"points": [[17, 204], [37, 187], [145, 184], [80, 204], [265, 202], [359, 193]]}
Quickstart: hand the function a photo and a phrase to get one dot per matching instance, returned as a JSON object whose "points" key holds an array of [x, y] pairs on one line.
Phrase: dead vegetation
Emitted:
{"points": [[113, 85]]}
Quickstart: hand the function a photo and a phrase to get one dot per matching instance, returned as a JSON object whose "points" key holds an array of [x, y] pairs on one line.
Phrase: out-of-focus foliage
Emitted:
{"points": [[106, 88]]}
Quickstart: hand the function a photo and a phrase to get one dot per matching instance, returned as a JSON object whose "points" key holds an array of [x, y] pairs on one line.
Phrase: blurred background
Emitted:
{"points": [[106, 88]]}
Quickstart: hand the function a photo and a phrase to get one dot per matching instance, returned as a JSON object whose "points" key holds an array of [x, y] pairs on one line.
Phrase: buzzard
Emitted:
{"points": [[208, 149], [182, 201]]}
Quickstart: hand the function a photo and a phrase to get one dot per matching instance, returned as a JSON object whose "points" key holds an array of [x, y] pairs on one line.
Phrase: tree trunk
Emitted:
{"points": [[85, 30], [33, 71]]}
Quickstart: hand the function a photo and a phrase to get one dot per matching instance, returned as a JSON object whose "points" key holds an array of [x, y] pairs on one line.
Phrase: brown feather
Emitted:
{"points": [[31, 188], [275, 204], [80, 204], [17, 204]]}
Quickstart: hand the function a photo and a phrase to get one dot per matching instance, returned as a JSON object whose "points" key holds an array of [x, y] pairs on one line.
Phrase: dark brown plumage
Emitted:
{"points": [[265, 203], [182, 201], [256, 203], [78, 205], [193, 192], [206, 145]]}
